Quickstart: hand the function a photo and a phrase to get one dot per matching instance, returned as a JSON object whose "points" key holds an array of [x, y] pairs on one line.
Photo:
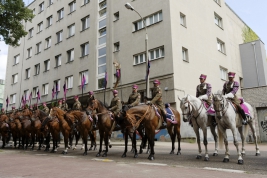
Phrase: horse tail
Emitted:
{"points": [[221, 138]]}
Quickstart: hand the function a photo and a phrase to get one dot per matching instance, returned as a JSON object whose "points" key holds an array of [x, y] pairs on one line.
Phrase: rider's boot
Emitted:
{"points": [[95, 124], [242, 112], [164, 122]]}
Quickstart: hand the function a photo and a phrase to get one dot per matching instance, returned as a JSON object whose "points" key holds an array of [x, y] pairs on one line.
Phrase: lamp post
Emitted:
{"points": [[130, 7]]}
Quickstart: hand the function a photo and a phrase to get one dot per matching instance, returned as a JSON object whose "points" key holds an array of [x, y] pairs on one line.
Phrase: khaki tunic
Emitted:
{"points": [[134, 99], [64, 107], [115, 105], [77, 106], [157, 98], [46, 110]]}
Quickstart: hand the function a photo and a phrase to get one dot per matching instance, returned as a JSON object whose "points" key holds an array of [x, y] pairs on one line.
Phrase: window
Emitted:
{"points": [[57, 85], [58, 60], [70, 54], [48, 42], [86, 2], [45, 89], [14, 78], [218, 2], [220, 46], [26, 94], [34, 92], [218, 20], [46, 65], [116, 46], [37, 69], [139, 58], [71, 29], [103, 5], [60, 14], [85, 23], [72, 6], [185, 54], [182, 20], [38, 47], [16, 59], [33, 12], [103, 12], [39, 27], [150, 20], [41, 7], [59, 36], [69, 82], [29, 52], [84, 49], [156, 53], [85, 74], [116, 16], [101, 83], [50, 2], [27, 73], [223, 73], [13, 98], [49, 21], [102, 60], [102, 23], [30, 32], [102, 36]]}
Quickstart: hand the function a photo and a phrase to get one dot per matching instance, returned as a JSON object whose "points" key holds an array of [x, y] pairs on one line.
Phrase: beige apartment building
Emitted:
{"points": [[68, 39]]}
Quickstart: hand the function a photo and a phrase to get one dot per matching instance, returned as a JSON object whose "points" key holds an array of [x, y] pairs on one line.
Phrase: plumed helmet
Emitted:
{"points": [[76, 97], [115, 91], [91, 92], [202, 76], [135, 86], [156, 81], [231, 74]]}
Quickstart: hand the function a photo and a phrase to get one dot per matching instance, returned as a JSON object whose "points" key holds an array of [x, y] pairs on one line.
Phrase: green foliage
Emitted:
{"points": [[13, 14], [249, 35]]}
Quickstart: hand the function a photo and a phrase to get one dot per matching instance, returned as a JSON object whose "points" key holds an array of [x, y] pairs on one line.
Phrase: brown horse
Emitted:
{"points": [[65, 128], [84, 125], [4, 129], [26, 127], [146, 115], [105, 123], [15, 127]]}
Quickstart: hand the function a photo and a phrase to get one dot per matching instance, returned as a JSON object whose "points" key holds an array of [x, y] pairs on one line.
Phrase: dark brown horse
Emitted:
{"points": [[4, 129], [15, 128], [26, 127], [84, 124], [65, 128], [146, 115]]}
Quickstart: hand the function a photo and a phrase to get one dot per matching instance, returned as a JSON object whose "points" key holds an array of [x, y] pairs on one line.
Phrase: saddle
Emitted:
{"points": [[243, 106], [169, 114]]}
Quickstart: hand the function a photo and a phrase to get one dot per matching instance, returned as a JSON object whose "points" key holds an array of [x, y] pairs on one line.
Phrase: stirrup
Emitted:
{"points": [[244, 122]]}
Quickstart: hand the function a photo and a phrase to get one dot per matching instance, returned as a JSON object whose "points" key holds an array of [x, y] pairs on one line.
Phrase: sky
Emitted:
{"points": [[252, 12]]}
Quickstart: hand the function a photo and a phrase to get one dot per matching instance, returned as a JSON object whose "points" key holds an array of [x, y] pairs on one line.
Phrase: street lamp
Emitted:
{"points": [[130, 7]]}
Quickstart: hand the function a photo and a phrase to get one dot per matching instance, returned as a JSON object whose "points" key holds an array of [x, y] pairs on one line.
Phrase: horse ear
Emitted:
{"points": [[187, 97], [179, 97]]}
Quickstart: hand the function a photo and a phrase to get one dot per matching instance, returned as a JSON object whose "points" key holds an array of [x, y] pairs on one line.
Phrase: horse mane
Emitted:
{"points": [[74, 115], [102, 104]]}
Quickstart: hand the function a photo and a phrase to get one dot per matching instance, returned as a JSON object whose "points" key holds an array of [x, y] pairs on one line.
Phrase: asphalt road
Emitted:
{"points": [[20, 163]]}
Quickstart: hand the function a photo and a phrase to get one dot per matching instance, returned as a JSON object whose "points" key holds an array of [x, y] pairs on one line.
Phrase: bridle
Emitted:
{"points": [[190, 113], [224, 107]]}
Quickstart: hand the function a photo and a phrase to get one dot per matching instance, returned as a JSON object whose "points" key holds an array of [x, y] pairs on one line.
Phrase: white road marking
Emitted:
{"points": [[224, 170], [69, 156], [103, 160], [152, 164], [41, 154]]}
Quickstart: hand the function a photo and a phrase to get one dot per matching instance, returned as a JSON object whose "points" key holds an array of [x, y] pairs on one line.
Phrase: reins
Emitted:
{"points": [[131, 118]]}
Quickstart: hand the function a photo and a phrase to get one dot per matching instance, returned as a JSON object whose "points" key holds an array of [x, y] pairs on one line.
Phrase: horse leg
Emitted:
{"points": [[85, 135], [151, 143], [178, 133], [252, 127], [205, 141], [134, 145], [126, 143], [224, 135], [215, 136], [240, 130], [101, 134], [33, 140], [196, 129], [107, 141], [173, 136], [240, 159], [66, 139]]}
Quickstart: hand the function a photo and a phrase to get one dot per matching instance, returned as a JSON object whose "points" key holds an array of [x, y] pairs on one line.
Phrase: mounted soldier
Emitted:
{"points": [[157, 100], [90, 98], [115, 104], [45, 109], [77, 105], [134, 98], [203, 92], [13, 109], [230, 89], [64, 106], [60, 104]]}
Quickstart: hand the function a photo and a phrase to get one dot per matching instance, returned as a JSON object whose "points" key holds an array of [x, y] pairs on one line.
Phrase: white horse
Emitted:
{"points": [[193, 108], [227, 118]]}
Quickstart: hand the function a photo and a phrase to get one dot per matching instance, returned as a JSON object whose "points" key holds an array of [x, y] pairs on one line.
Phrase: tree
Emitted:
{"points": [[12, 15], [249, 35]]}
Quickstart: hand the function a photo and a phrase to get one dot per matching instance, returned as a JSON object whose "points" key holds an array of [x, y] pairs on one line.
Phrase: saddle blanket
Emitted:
{"points": [[170, 116], [210, 110], [243, 106]]}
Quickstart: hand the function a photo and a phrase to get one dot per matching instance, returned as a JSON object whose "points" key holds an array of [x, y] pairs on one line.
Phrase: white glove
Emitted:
{"points": [[229, 95], [203, 97]]}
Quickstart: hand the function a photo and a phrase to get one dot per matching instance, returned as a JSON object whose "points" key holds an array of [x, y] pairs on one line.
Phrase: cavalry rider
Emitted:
{"points": [[229, 90], [204, 93], [64, 106], [77, 105], [45, 109], [90, 98], [157, 100], [134, 98], [60, 104], [13, 109], [115, 104]]}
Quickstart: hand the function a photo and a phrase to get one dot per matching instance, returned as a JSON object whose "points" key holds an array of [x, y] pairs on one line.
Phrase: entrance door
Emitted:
{"points": [[262, 119]]}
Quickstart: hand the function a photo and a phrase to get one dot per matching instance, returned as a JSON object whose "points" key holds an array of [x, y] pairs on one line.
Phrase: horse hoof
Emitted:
{"points": [[90, 149], [123, 155], [206, 159], [140, 151], [110, 146], [243, 154], [178, 153], [257, 154], [215, 154], [85, 153], [198, 157], [240, 161], [104, 155], [226, 160], [64, 153], [98, 154], [172, 152], [151, 158]]}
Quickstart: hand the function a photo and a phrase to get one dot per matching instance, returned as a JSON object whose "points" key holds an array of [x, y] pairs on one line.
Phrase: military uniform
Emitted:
{"points": [[77, 106], [115, 105], [204, 89], [46, 109], [157, 98], [134, 99], [231, 87], [64, 107]]}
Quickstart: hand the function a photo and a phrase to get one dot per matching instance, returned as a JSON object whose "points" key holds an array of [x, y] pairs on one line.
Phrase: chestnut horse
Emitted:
{"points": [[84, 124], [15, 127], [146, 115], [26, 127], [4, 129]]}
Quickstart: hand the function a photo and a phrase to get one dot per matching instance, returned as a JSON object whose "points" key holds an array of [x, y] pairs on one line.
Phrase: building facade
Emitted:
{"points": [[70, 39], [2, 88]]}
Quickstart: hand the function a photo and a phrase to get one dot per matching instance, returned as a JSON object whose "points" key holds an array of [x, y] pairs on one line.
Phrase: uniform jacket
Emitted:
{"points": [[115, 105], [231, 87], [46, 110], [134, 99], [77, 106]]}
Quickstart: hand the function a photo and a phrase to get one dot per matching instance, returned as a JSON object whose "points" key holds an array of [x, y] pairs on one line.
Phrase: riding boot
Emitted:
{"points": [[164, 122], [242, 112], [95, 124], [213, 120]]}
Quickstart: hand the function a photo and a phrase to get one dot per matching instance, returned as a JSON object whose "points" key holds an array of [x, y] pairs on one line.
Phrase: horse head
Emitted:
{"points": [[185, 107], [95, 104], [219, 104], [26, 113], [56, 112]]}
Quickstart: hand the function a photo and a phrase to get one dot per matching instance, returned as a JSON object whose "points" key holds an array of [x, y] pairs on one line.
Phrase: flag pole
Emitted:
{"points": [[105, 87]]}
